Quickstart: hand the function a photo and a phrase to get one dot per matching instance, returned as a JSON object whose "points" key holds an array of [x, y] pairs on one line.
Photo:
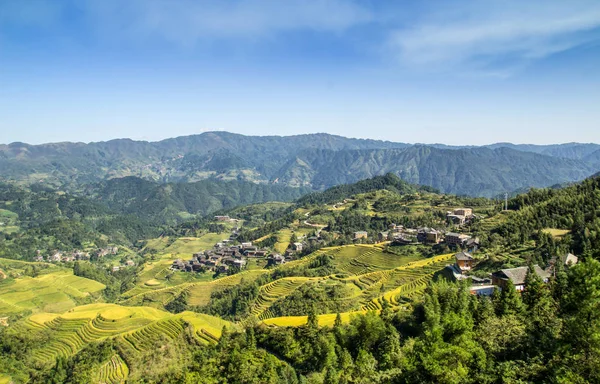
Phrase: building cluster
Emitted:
{"points": [[221, 258], [225, 219], [59, 256], [464, 263], [424, 235], [128, 263], [460, 216], [224, 257]]}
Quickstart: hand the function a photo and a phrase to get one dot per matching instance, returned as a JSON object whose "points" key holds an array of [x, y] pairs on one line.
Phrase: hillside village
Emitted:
{"points": [[378, 257], [230, 256]]}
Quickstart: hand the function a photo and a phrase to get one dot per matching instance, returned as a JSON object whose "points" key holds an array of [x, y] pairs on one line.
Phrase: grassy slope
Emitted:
{"points": [[52, 292]]}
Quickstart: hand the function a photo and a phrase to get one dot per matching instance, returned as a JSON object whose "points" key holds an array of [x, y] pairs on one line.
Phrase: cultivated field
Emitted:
{"points": [[135, 329], [56, 292]]}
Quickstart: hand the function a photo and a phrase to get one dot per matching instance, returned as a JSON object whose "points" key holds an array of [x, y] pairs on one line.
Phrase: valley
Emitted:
{"points": [[330, 259]]}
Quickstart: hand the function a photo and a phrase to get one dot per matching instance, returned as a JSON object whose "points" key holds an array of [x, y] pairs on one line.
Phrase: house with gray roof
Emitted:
{"points": [[516, 276]]}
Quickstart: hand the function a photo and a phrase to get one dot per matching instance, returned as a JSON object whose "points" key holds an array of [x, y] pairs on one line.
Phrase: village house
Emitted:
{"points": [[567, 260], [129, 263], [79, 255], [39, 258], [466, 212], [297, 246], [107, 251], [403, 239], [246, 245], [382, 236], [222, 218], [455, 219], [55, 257], [360, 235], [570, 259], [464, 261], [516, 276], [275, 259], [472, 244], [457, 239], [116, 268], [290, 254], [178, 264], [429, 236]]}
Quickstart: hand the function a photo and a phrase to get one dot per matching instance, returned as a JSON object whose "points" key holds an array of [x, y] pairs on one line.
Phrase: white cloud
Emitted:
{"points": [[492, 33], [188, 21]]}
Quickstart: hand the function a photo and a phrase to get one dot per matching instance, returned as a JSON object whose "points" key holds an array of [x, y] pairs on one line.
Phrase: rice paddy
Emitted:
{"points": [[297, 321], [135, 328], [53, 292]]}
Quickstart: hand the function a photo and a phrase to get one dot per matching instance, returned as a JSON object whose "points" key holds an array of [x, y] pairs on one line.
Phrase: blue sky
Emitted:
{"points": [[457, 72]]}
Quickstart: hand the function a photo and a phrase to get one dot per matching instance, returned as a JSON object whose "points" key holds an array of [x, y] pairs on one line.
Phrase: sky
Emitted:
{"points": [[418, 71]]}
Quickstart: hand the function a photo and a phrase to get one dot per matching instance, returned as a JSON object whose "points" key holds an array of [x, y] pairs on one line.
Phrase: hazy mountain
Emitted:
{"points": [[476, 171], [173, 201], [576, 151], [317, 161]]}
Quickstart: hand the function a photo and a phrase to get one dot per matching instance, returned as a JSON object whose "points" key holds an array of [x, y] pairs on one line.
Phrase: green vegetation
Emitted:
{"points": [[319, 161], [50, 292], [339, 310]]}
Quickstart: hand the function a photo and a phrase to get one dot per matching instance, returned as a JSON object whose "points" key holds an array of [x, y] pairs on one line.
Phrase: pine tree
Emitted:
{"points": [[338, 321], [533, 287], [510, 301]]}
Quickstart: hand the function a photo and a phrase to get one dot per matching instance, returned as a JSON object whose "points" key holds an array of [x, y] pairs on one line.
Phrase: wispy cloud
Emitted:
{"points": [[186, 22], [495, 34]]}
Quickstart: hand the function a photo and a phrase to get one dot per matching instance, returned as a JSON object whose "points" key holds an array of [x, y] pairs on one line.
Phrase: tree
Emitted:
{"points": [[581, 307], [510, 301]]}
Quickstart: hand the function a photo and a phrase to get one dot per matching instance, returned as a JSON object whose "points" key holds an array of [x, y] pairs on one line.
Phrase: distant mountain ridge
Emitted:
{"points": [[316, 161]]}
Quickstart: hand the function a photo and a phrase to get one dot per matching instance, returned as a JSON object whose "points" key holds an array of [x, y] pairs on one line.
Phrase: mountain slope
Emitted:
{"points": [[476, 171], [317, 161], [167, 202]]}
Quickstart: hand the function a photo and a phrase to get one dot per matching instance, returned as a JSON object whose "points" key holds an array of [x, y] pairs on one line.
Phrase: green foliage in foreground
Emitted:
{"points": [[549, 334]]}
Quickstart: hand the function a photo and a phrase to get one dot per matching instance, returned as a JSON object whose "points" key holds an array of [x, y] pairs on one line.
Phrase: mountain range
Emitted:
{"points": [[312, 161]]}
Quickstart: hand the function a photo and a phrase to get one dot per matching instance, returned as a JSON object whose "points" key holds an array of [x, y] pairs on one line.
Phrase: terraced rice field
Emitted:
{"points": [[114, 371], [146, 337], [52, 292], [362, 259], [274, 291], [137, 329], [558, 233], [190, 245], [198, 293], [283, 240], [400, 283]]}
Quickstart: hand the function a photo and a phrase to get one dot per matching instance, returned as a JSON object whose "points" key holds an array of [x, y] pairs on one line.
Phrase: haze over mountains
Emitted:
{"points": [[315, 161]]}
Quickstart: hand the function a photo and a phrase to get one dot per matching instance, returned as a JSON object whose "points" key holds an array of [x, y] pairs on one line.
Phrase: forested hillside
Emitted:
{"points": [[339, 309], [316, 161], [173, 202]]}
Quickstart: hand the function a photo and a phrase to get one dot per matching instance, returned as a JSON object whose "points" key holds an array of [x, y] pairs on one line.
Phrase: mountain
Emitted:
{"points": [[172, 201], [315, 161], [576, 151], [341, 192], [191, 158], [474, 171]]}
